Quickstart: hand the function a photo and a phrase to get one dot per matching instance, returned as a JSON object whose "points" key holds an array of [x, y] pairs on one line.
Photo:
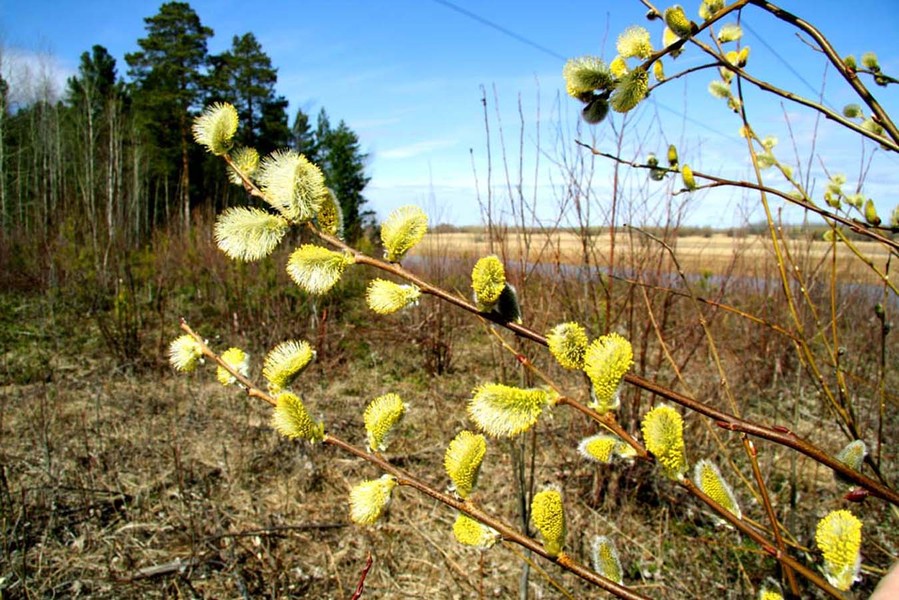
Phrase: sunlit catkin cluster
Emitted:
{"points": [[624, 82], [280, 368], [296, 193], [605, 360]]}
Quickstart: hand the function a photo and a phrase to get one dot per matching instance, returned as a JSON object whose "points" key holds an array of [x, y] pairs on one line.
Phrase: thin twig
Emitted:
{"points": [[466, 506]]}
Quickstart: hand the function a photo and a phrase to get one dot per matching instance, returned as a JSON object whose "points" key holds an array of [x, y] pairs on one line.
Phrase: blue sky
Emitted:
{"points": [[408, 77]]}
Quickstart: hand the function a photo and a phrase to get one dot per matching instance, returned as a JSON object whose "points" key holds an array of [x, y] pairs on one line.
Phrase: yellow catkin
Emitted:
{"points": [[663, 433], [215, 128], [185, 353], [600, 447], [291, 419], [369, 499], [317, 269], [606, 361], [285, 362], [504, 411], [402, 230], [381, 416], [549, 518], [462, 461], [488, 278], [708, 478], [604, 558], [238, 360], [470, 532], [839, 536], [386, 297]]}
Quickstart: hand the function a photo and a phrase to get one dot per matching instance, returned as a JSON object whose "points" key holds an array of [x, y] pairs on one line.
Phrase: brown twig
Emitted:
{"points": [[722, 373], [849, 75], [403, 478], [853, 224], [361, 585], [722, 418], [468, 507], [758, 538]]}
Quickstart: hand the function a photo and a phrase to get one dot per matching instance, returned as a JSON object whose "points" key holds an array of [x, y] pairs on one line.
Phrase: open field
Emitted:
{"points": [[748, 256], [120, 479], [170, 487]]}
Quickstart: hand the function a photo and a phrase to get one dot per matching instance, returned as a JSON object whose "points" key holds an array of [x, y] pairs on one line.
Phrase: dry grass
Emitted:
{"points": [[150, 485], [749, 255]]}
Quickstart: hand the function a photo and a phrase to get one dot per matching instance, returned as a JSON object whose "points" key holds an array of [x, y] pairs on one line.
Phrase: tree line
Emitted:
{"points": [[113, 159]]}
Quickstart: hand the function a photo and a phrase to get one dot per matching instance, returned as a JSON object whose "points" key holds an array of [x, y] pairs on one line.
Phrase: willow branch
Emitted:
{"points": [[607, 420], [827, 112], [740, 525], [856, 226], [468, 507], [724, 419], [722, 373], [475, 512], [849, 75]]}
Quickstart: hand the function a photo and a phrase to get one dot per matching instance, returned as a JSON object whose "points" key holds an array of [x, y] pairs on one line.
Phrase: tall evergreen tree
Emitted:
{"points": [[168, 74], [343, 163], [302, 138], [96, 79], [322, 131], [244, 76]]}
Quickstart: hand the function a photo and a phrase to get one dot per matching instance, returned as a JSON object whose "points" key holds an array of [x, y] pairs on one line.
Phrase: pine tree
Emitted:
{"points": [[322, 131], [343, 163], [96, 79], [168, 78], [302, 138], [244, 76]]}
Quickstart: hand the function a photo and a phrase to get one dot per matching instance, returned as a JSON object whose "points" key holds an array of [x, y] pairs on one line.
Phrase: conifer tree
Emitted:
{"points": [[343, 163], [168, 75], [244, 76], [96, 77], [302, 138], [336, 151]]}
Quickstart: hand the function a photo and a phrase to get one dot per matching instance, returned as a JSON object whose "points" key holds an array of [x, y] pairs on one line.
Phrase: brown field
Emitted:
{"points": [[121, 479], [717, 253]]}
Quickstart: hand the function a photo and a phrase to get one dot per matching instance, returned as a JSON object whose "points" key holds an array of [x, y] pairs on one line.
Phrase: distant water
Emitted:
{"points": [[703, 286]]}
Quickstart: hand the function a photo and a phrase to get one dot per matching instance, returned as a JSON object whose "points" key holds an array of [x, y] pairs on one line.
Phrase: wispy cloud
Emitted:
{"points": [[417, 149], [33, 75]]}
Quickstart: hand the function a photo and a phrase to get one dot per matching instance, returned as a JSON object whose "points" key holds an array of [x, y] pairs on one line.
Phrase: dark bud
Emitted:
{"points": [[657, 174], [856, 495], [507, 306], [595, 112]]}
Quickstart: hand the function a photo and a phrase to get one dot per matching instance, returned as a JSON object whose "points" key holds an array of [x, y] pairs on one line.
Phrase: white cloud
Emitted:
{"points": [[33, 75], [417, 149]]}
